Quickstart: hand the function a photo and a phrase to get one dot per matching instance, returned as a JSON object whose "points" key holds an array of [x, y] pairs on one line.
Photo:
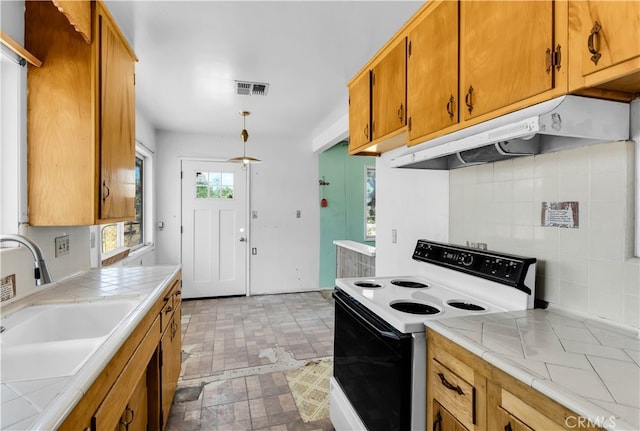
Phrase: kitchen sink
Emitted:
{"points": [[52, 340]]}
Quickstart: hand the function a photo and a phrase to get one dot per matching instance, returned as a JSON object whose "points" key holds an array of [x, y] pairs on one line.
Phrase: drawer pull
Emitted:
{"points": [[437, 424], [169, 310], [448, 385]]}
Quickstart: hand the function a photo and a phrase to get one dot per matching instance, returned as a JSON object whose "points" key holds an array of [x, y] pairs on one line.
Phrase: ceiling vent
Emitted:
{"points": [[246, 88]]}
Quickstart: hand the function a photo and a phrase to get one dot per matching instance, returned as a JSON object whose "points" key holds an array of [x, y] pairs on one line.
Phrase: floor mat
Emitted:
{"points": [[310, 388]]}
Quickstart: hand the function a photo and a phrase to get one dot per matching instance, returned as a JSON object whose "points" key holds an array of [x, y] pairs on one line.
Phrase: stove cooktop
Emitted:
{"points": [[407, 308]]}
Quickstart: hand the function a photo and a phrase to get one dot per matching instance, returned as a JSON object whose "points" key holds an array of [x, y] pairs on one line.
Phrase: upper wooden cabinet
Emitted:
{"points": [[360, 111], [80, 120], [503, 53], [605, 46], [389, 91], [378, 102], [432, 71]]}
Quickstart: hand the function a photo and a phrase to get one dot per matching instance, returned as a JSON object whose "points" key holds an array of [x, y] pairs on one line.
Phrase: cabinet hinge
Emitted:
{"points": [[553, 58], [409, 123], [409, 49]]}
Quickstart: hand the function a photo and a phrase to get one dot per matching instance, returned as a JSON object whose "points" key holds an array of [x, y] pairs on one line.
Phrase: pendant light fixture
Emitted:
{"points": [[244, 135]]}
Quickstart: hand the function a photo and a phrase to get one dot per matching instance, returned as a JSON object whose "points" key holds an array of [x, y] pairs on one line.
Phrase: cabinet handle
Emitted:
{"points": [[592, 41], [468, 100], [174, 329], [448, 385], [169, 310], [105, 190], [507, 427], [401, 113], [437, 424], [450, 107], [366, 131], [126, 421]]}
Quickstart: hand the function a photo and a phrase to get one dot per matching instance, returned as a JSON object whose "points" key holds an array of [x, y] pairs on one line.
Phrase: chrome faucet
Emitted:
{"points": [[41, 272]]}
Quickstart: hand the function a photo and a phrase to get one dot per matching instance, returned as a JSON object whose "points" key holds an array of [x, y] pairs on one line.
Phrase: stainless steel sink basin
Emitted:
{"points": [[52, 340]]}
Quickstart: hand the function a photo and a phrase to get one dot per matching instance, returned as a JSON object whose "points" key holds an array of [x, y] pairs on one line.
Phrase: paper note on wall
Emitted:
{"points": [[560, 214]]}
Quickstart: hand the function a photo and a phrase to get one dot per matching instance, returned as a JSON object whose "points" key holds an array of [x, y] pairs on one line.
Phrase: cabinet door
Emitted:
{"points": [[443, 420], [134, 418], [510, 422], [117, 125], [389, 91], [360, 112], [171, 362], [503, 48], [606, 33], [432, 71]]}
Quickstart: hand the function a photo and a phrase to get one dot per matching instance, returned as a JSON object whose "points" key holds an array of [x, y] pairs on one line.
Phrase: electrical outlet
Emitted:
{"points": [[254, 251], [8, 287], [63, 245], [298, 214]]}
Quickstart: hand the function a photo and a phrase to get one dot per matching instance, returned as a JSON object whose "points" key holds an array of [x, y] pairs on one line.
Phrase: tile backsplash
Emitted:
{"points": [[591, 268]]}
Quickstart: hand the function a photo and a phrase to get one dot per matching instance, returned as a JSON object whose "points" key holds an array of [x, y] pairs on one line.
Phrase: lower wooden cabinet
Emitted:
{"points": [[135, 390], [466, 393], [170, 348]]}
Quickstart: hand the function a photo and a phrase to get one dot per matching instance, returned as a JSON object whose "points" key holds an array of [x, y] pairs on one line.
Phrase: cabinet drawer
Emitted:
{"points": [[454, 393]]}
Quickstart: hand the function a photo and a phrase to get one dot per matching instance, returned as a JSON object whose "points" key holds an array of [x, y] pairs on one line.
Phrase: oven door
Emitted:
{"points": [[372, 365]]}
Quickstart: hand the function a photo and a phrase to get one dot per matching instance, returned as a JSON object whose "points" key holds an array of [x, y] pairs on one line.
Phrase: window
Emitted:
{"points": [[130, 234], [214, 185], [370, 203]]}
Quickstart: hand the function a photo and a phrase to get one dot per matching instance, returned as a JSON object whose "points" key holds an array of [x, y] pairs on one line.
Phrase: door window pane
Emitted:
{"points": [[214, 185]]}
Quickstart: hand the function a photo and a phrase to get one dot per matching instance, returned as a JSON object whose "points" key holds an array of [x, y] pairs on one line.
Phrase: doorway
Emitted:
{"points": [[214, 237]]}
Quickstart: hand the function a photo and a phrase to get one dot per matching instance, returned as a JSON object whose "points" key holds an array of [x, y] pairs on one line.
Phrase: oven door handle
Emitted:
{"points": [[372, 325]]}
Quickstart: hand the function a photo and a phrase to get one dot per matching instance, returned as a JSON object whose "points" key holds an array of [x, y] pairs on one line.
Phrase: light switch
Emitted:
{"points": [[394, 236]]}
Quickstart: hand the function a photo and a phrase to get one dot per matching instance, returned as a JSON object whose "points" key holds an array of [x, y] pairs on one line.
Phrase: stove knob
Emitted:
{"points": [[467, 260]]}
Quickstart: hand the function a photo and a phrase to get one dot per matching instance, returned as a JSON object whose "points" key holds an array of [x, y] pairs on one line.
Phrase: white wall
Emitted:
{"points": [[286, 181], [415, 203]]}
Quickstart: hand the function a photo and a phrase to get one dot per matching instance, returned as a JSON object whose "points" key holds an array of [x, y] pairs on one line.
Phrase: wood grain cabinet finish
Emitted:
{"points": [[474, 395], [170, 347], [80, 120], [443, 420], [389, 91], [378, 103], [605, 46], [360, 111], [135, 390], [503, 48], [432, 71]]}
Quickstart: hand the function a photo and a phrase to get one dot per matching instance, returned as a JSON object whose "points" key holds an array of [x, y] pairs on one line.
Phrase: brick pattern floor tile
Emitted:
{"points": [[237, 349]]}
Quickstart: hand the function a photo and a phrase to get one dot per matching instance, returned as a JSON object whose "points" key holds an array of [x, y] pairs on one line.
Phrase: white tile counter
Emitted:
{"points": [[588, 365], [42, 404]]}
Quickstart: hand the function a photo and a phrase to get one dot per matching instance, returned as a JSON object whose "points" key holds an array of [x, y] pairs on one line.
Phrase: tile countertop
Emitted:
{"points": [[588, 365], [42, 404]]}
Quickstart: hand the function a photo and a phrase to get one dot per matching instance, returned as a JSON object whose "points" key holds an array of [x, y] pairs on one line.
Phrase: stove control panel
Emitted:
{"points": [[499, 267]]}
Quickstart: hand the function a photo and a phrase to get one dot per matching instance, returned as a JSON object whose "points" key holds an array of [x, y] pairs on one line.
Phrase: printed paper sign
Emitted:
{"points": [[560, 214]]}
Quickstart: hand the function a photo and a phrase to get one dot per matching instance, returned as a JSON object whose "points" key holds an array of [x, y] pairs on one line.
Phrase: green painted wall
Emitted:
{"points": [[343, 217]]}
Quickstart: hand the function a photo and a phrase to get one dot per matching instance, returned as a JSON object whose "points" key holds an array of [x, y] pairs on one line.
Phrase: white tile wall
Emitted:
{"points": [[589, 269]]}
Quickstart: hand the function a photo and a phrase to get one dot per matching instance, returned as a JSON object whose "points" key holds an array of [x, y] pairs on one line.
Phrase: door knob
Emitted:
{"points": [[242, 239]]}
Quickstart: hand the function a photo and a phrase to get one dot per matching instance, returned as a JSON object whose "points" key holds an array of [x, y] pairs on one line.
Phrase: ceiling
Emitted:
{"points": [[191, 52]]}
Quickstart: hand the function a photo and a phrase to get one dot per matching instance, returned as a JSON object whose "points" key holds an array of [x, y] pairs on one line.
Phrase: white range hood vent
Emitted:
{"points": [[558, 124]]}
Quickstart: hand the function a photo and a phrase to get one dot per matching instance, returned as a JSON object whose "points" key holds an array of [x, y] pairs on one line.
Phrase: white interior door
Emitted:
{"points": [[214, 229]]}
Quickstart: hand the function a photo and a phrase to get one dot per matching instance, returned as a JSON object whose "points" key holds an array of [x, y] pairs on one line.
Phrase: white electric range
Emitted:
{"points": [[379, 377]]}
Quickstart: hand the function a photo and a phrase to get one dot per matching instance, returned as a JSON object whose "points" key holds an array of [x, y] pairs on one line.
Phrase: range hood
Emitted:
{"points": [[561, 123]]}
